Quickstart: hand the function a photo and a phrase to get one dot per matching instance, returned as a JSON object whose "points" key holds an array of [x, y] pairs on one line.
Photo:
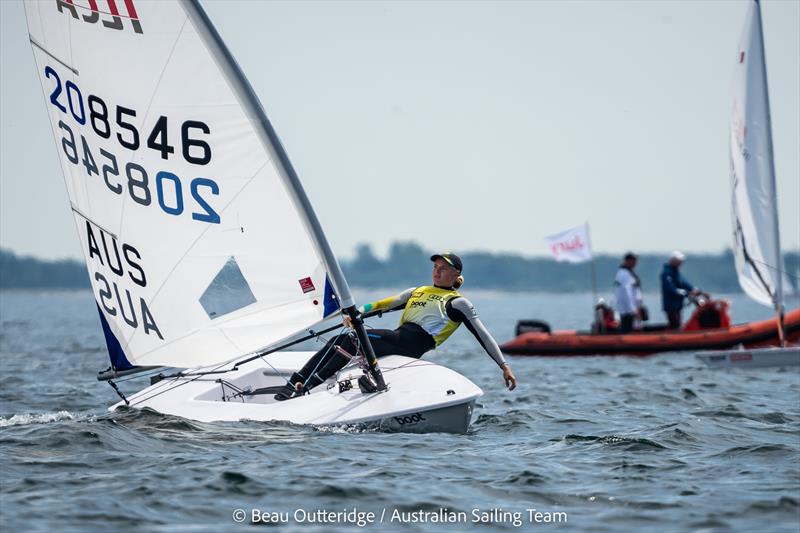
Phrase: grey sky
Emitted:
{"points": [[470, 125]]}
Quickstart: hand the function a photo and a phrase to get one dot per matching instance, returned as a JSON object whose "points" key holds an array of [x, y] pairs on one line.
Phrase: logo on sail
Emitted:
{"points": [[307, 285], [739, 131], [109, 15]]}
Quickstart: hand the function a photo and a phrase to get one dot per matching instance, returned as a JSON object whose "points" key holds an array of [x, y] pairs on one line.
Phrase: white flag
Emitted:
{"points": [[571, 245]]}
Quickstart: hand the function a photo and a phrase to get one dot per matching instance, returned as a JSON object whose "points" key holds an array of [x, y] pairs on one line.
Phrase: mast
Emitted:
{"points": [[778, 259], [269, 139]]}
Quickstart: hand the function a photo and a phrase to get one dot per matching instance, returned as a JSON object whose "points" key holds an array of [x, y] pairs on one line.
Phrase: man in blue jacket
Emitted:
{"points": [[674, 288]]}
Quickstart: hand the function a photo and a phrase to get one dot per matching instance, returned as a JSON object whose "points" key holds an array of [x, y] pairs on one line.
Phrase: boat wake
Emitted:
{"points": [[150, 419], [35, 418], [163, 425]]}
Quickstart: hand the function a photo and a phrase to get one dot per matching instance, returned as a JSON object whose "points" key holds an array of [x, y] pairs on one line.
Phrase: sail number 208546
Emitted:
{"points": [[168, 186], [195, 151]]}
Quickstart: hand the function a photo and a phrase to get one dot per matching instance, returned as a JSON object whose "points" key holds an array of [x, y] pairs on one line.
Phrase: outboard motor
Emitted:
{"points": [[709, 314]]}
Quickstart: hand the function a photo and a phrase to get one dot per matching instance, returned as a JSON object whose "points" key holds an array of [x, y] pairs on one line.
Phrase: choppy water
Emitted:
{"points": [[616, 443]]}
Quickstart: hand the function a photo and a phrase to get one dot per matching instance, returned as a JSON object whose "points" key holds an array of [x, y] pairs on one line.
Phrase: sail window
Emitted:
{"points": [[227, 292]]}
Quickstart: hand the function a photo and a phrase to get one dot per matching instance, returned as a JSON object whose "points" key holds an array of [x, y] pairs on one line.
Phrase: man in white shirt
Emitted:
{"points": [[628, 294]]}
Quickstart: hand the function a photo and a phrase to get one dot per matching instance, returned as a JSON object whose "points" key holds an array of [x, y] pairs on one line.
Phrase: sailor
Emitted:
{"points": [[605, 320], [431, 314], [674, 288], [628, 295]]}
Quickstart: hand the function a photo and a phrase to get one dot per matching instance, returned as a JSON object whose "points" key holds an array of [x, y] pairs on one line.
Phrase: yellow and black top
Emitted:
{"points": [[439, 311]]}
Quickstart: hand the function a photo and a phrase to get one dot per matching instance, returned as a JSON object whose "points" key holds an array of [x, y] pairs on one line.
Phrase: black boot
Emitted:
{"points": [[299, 388], [288, 392], [291, 389]]}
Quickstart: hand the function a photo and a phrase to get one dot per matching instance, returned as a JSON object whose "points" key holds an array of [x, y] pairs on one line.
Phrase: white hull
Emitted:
{"points": [[422, 396], [758, 358]]}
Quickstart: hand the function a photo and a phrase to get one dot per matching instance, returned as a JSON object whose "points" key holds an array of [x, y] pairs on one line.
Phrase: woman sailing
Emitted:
{"points": [[431, 314]]}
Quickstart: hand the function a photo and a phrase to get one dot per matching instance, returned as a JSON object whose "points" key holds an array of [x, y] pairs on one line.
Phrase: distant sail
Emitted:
{"points": [[196, 249], [755, 220]]}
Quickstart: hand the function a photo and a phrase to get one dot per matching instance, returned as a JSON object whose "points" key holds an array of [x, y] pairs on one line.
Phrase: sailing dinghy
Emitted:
{"points": [[203, 251], [756, 235]]}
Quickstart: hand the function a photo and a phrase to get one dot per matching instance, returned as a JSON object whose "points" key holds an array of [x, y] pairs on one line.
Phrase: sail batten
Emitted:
{"points": [[59, 61], [756, 235], [200, 243]]}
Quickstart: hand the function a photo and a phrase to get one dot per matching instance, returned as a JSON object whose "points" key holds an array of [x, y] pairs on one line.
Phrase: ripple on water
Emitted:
{"points": [[689, 394], [526, 478], [758, 449], [635, 467], [772, 418], [574, 421], [763, 512], [230, 482], [513, 419], [784, 503], [345, 492], [730, 411], [627, 443]]}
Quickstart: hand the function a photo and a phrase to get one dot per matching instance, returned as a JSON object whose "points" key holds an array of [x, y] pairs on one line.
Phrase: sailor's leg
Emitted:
{"points": [[319, 359], [384, 342], [674, 318], [300, 380], [626, 322], [333, 363], [329, 360]]}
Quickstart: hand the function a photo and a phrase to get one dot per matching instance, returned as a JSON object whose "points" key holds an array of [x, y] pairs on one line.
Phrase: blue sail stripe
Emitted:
{"points": [[115, 351], [329, 301]]}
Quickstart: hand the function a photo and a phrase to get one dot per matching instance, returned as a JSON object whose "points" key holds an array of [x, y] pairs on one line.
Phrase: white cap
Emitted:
{"points": [[677, 255]]}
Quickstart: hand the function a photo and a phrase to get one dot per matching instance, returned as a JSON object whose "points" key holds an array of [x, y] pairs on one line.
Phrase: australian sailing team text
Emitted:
{"points": [[359, 518]]}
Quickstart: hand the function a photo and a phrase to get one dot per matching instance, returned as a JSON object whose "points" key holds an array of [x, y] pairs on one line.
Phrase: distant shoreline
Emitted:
{"points": [[407, 265]]}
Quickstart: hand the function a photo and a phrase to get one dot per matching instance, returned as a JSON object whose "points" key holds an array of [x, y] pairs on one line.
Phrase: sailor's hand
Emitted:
{"points": [[509, 378], [347, 321]]}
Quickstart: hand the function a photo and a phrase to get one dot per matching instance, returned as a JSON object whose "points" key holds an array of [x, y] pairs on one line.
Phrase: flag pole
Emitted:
{"points": [[594, 274]]}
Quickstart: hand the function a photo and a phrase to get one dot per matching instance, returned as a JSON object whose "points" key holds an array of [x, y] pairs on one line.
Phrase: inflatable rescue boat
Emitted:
{"points": [[708, 328]]}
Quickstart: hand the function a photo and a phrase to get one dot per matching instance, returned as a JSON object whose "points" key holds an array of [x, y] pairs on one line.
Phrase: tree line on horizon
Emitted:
{"points": [[407, 264]]}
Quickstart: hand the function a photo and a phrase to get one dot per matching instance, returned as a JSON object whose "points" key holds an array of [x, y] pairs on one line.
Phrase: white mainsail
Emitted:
{"points": [[197, 246], [759, 263]]}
